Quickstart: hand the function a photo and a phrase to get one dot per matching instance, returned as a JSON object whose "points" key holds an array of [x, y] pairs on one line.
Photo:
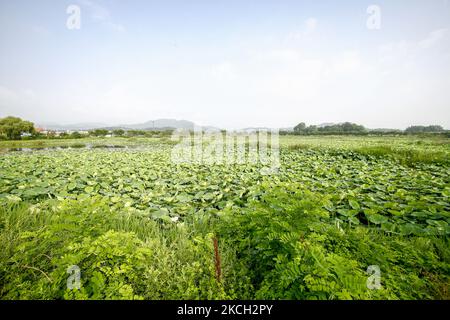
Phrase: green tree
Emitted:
{"points": [[135, 133], [13, 127], [118, 132], [311, 129], [99, 132], [346, 127], [422, 129], [76, 135], [300, 127]]}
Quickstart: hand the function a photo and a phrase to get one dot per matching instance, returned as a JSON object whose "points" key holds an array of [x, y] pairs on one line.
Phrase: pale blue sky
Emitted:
{"points": [[226, 63]]}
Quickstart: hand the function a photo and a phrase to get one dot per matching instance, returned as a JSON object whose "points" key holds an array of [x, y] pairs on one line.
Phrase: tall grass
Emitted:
{"points": [[40, 241], [406, 156]]}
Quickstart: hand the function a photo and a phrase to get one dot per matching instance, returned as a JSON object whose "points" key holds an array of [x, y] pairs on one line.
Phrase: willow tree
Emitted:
{"points": [[13, 127]]}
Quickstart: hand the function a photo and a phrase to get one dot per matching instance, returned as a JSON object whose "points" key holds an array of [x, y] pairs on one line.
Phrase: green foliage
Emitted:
{"points": [[120, 256], [341, 128], [295, 249], [111, 264], [135, 133], [406, 156], [349, 128], [76, 135], [282, 245], [99, 132], [300, 127], [13, 127], [424, 129], [118, 132]]}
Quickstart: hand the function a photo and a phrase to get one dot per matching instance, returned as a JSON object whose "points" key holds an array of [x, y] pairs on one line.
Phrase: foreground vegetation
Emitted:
{"points": [[142, 227]]}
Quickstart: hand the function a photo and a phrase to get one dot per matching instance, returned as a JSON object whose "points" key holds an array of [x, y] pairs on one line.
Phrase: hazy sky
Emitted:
{"points": [[227, 63]]}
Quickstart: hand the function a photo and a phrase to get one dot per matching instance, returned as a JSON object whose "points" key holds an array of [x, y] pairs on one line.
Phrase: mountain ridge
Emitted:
{"points": [[148, 125]]}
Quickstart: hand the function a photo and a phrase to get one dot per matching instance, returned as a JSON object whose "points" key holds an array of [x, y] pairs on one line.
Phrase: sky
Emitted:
{"points": [[227, 63]]}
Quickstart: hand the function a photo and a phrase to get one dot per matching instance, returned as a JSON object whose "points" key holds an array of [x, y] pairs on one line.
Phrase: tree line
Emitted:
{"points": [[346, 127], [13, 128], [356, 129], [425, 129]]}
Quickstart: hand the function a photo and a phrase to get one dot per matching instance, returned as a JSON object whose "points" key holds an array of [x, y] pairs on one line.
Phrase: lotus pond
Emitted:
{"points": [[139, 226]]}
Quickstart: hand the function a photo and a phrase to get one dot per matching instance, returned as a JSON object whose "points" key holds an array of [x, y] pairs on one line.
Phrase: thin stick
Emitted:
{"points": [[33, 268]]}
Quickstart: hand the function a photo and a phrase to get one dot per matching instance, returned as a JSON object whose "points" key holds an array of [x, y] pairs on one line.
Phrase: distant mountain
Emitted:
{"points": [[149, 125], [287, 129], [158, 124], [72, 127], [161, 123]]}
